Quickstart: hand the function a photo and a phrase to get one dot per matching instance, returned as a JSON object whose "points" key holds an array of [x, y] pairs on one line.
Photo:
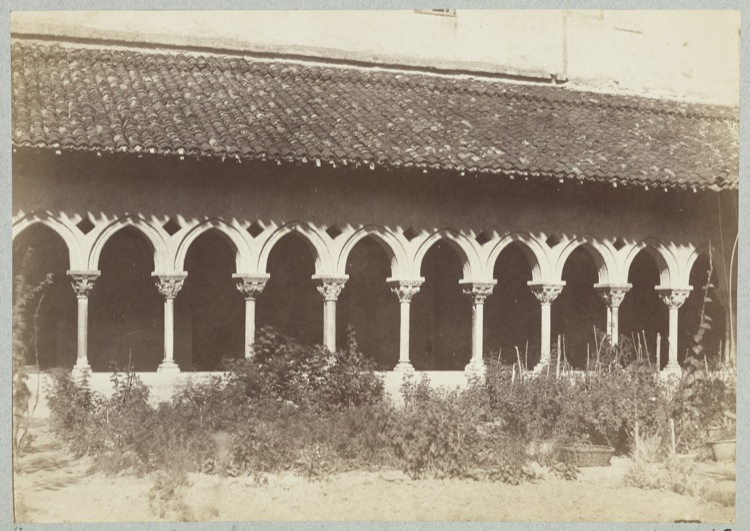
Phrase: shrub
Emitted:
{"points": [[75, 413], [284, 370], [436, 438]]}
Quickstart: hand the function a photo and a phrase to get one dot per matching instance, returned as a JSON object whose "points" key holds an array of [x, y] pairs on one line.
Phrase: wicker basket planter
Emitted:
{"points": [[724, 450], [586, 454]]}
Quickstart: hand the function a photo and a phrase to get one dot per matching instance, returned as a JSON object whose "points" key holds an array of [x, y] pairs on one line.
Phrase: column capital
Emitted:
{"points": [[330, 286], [251, 285], [612, 294], [478, 291], [169, 284], [674, 297], [405, 289], [546, 292], [83, 282]]}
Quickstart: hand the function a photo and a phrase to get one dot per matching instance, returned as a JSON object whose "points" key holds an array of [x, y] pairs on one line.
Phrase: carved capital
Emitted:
{"points": [[612, 294], [405, 289], [169, 285], [330, 287], [478, 291], [546, 293], [250, 285], [83, 282], [674, 297]]}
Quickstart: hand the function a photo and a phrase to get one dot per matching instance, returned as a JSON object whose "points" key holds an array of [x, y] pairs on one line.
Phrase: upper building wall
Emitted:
{"points": [[690, 55]]}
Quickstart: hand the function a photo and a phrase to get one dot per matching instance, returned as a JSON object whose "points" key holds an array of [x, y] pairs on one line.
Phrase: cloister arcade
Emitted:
{"points": [[416, 299]]}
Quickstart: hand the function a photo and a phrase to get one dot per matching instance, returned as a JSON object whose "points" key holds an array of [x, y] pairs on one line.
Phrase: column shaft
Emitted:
{"points": [[615, 313], [82, 359], [673, 326], [250, 286], [477, 333], [673, 298], [403, 345], [546, 333], [405, 290], [329, 324], [249, 326], [83, 283], [545, 294], [168, 332], [169, 285], [330, 287]]}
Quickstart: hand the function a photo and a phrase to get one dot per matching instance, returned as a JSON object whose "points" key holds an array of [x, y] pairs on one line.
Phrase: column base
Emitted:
{"points": [[81, 370], [168, 367], [541, 366], [403, 366], [475, 368], [672, 369]]}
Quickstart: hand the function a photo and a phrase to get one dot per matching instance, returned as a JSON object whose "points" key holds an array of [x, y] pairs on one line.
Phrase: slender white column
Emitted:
{"points": [[83, 283], [405, 291], [545, 294], [169, 286], [330, 287], [478, 291], [250, 286], [673, 298], [613, 294]]}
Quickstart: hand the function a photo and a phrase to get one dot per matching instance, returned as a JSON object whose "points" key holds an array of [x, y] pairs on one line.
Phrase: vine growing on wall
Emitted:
{"points": [[28, 298]]}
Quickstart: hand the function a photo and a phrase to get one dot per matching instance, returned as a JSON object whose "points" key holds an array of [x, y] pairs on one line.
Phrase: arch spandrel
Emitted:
{"points": [[316, 243], [71, 235], [604, 259], [531, 248], [155, 237], [466, 251], [387, 240], [231, 234], [662, 256]]}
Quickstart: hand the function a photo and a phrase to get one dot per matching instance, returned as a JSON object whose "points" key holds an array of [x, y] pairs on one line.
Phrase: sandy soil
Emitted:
{"points": [[51, 486]]}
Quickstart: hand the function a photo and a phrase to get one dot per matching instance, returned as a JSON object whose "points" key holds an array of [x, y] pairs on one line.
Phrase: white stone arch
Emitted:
{"points": [[702, 249], [314, 240], [531, 247], [387, 240], [467, 253], [662, 256], [231, 234], [153, 235], [69, 235], [605, 262]]}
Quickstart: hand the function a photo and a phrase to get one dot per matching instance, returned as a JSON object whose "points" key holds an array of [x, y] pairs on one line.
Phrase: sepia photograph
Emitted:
{"points": [[409, 265]]}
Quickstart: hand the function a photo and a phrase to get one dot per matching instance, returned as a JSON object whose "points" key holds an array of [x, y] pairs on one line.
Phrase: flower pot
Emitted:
{"points": [[714, 432], [724, 450], [586, 454]]}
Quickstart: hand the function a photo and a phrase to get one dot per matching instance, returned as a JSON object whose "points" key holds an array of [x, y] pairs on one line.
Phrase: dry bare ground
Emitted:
{"points": [[51, 486]]}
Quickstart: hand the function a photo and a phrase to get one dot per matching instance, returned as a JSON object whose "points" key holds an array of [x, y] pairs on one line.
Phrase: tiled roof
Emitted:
{"points": [[168, 102]]}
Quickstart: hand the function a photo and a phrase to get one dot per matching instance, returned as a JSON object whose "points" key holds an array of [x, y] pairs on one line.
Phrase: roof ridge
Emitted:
{"points": [[700, 111]]}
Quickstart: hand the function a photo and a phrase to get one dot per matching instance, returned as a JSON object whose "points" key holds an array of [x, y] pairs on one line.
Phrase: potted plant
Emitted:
{"points": [[724, 443], [583, 453]]}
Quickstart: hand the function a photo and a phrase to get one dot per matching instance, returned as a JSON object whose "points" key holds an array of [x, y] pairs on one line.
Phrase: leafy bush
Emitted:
{"points": [[436, 438], [600, 405]]}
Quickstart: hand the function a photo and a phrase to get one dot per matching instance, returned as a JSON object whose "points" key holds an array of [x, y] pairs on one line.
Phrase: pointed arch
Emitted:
{"points": [[314, 241], [531, 248], [387, 240], [467, 253], [153, 235], [703, 249], [231, 234], [76, 256], [600, 253], [663, 258]]}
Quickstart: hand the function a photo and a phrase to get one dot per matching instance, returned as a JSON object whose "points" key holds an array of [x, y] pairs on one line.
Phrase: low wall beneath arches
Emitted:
{"points": [[162, 386]]}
